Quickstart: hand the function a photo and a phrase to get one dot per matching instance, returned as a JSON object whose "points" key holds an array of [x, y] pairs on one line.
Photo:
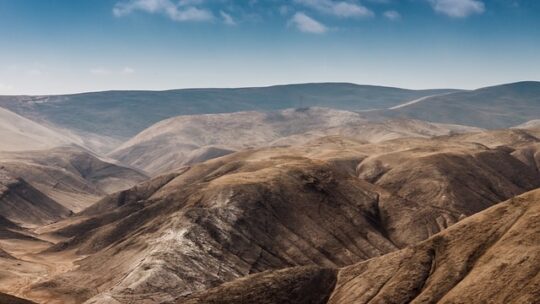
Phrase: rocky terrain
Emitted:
{"points": [[326, 206], [457, 265], [303, 205]]}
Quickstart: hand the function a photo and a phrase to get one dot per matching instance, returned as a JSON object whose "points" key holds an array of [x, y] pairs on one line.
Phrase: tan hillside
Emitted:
{"points": [[182, 140], [273, 208]]}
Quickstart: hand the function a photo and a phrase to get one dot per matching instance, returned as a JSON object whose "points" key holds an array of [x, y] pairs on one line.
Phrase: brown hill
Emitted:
{"points": [[12, 231], [25, 205], [491, 257], [274, 208], [71, 176]]}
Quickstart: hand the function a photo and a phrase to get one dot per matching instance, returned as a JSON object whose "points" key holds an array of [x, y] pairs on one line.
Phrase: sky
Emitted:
{"points": [[67, 46]]}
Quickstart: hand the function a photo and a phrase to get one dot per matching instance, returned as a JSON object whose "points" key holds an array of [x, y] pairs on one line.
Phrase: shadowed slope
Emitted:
{"points": [[302, 285], [71, 176], [8, 299], [491, 257], [23, 204]]}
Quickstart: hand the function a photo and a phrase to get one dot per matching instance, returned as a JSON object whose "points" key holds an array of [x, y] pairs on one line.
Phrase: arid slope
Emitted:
{"points": [[19, 134], [491, 257], [280, 207], [182, 140], [25, 205]]}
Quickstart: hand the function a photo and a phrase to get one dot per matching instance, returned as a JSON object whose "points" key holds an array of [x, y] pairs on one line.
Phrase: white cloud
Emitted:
{"points": [[458, 8], [227, 19], [306, 24], [392, 15], [185, 10], [340, 9]]}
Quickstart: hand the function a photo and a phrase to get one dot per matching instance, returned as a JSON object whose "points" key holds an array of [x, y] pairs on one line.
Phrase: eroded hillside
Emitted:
{"points": [[326, 205]]}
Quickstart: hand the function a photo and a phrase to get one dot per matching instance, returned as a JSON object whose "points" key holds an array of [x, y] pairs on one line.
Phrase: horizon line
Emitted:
{"points": [[266, 86]]}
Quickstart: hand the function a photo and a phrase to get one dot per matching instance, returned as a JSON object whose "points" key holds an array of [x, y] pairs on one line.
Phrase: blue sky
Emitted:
{"points": [[65, 46]]}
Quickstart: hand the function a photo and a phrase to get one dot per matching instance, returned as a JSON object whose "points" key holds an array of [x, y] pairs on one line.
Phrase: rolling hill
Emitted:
{"points": [[502, 106], [185, 140], [19, 134], [71, 176], [122, 114], [22, 134]]}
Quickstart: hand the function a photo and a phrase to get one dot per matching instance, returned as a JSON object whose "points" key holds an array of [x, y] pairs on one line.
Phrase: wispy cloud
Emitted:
{"points": [[184, 10], [340, 9], [458, 8], [392, 15], [227, 18], [306, 24]]}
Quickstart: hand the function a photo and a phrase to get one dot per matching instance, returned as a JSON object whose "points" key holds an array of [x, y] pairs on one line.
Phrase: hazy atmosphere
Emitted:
{"points": [[55, 46]]}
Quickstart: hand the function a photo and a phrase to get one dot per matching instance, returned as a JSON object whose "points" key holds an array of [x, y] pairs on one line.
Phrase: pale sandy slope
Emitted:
{"points": [[531, 124], [18, 134], [189, 139]]}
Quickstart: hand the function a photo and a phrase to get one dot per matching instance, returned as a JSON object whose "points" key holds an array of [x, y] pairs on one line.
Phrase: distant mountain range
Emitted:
{"points": [[122, 114], [494, 107], [119, 115]]}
